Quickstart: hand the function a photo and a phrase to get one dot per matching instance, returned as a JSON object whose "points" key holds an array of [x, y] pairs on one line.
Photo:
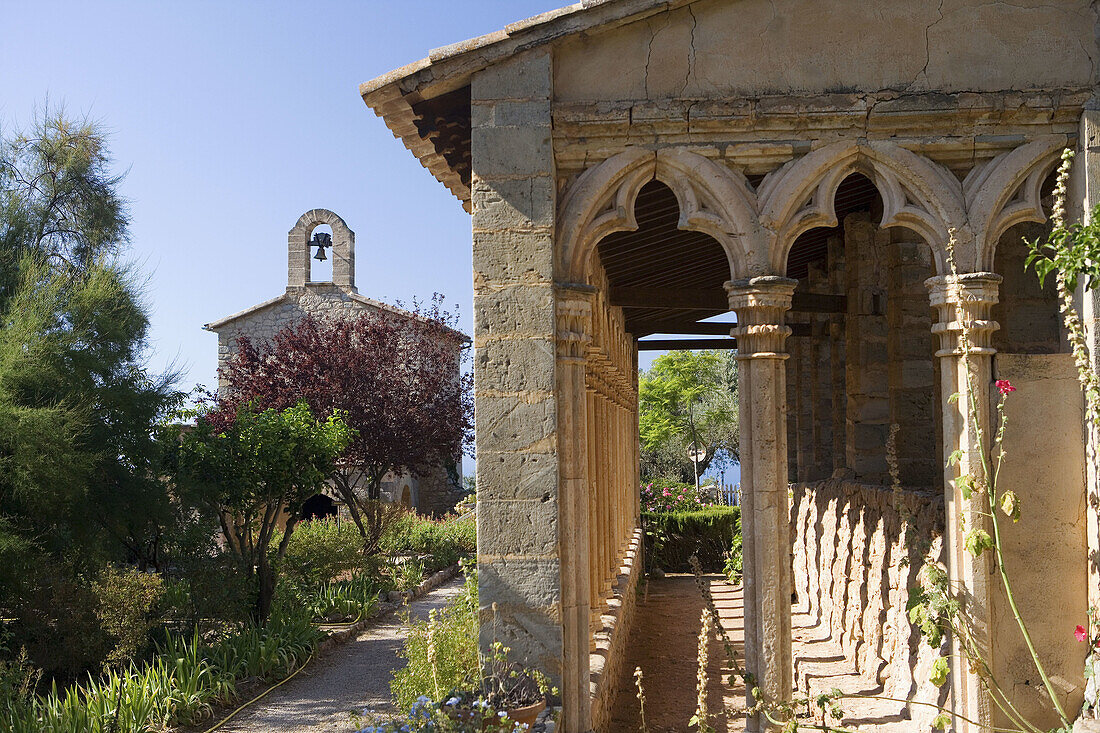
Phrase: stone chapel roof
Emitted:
{"points": [[370, 303], [426, 104]]}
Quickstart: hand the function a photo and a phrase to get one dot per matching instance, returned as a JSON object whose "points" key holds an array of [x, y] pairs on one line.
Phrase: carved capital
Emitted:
{"points": [[761, 303], [573, 310], [964, 303]]}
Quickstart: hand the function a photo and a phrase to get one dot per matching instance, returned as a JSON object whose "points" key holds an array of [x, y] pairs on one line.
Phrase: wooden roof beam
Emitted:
{"points": [[714, 300]]}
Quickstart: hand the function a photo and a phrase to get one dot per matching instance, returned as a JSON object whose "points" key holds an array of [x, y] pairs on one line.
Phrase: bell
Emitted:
{"points": [[320, 241]]}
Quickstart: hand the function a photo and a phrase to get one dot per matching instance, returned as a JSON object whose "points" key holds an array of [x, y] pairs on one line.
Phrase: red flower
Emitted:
{"points": [[1005, 386], [1080, 633]]}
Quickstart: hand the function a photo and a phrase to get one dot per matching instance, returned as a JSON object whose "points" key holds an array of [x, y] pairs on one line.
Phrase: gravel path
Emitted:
{"points": [[354, 676]]}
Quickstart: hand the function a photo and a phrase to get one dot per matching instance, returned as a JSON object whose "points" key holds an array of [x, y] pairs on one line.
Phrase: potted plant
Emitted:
{"points": [[509, 696]]}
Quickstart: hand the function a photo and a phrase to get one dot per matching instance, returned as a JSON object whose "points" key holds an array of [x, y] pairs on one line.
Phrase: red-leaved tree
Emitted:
{"points": [[394, 377]]}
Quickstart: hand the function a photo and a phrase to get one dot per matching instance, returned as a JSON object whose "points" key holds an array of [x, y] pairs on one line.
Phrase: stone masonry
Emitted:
{"points": [[853, 186], [434, 493]]}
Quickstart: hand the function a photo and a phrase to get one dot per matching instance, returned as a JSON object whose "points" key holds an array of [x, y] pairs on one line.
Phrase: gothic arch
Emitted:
{"points": [[343, 248], [1005, 191], [916, 193], [713, 199]]}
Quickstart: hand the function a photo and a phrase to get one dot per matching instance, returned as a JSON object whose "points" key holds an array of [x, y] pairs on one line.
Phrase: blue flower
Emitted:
{"points": [[452, 701]]}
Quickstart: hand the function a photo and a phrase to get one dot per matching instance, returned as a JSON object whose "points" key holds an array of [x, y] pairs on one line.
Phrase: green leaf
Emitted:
{"points": [[1010, 505], [941, 721], [978, 541], [965, 483], [940, 669], [955, 457], [953, 398]]}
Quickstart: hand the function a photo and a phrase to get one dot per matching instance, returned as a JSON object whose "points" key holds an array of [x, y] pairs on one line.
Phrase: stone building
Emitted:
{"points": [[636, 167], [435, 493]]}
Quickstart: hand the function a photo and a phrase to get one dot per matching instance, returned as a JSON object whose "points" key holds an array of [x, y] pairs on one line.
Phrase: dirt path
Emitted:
{"points": [[354, 676], [664, 642]]}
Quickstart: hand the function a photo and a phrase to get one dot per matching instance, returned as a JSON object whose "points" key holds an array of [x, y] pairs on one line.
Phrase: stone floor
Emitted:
{"points": [[664, 643]]}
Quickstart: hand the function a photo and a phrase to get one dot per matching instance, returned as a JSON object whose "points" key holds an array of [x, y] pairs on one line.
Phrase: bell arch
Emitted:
{"points": [[713, 199], [343, 249]]}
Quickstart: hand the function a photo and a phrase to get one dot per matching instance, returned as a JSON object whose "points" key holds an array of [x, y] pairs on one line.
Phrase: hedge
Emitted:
{"points": [[673, 537]]}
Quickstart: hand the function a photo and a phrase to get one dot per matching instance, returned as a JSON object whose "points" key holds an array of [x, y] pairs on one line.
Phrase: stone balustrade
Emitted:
{"points": [[856, 550]]}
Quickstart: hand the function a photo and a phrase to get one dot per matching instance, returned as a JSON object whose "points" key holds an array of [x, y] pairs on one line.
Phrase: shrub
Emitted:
{"points": [[441, 652], [128, 599], [441, 543], [673, 537], [665, 496], [337, 601], [320, 550]]}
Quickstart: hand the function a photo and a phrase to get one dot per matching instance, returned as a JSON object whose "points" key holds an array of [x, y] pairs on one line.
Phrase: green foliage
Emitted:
{"points": [[687, 397], [178, 687], [251, 468], [672, 496], [440, 542], [1072, 250], [734, 567], [940, 670], [128, 600], [441, 652], [673, 537], [79, 465], [334, 601], [978, 541], [319, 551]]}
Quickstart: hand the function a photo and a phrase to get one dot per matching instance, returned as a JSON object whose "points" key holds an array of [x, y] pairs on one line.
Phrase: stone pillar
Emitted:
{"points": [[297, 254], [593, 513], [868, 398], [574, 314], [912, 371], [1084, 197], [514, 201], [343, 258], [760, 304], [961, 302], [837, 353]]}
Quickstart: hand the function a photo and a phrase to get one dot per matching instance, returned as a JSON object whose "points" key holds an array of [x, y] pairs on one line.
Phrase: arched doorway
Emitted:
{"points": [[318, 506]]}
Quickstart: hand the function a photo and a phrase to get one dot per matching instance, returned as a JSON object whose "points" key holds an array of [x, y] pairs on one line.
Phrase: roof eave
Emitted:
{"points": [[447, 68]]}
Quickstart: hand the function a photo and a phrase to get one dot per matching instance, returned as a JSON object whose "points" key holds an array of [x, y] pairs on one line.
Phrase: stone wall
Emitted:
{"points": [[519, 559], [610, 640], [914, 46], [857, 549], [317, 299], [438, 490]]}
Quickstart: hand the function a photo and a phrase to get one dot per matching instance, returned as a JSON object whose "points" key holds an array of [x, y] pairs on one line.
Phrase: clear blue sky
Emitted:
{"points": [[232, 119]]}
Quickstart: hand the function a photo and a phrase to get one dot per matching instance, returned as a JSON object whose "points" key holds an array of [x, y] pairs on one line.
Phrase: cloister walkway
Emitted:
{"points": [[664, 643]]}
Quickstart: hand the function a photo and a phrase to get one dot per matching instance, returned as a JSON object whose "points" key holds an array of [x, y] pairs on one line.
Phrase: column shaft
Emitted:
{"points": [[963, 305], [574, 310], [760, 304]]}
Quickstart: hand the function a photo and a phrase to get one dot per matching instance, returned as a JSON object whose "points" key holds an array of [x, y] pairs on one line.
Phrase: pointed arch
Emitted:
{"points": [[713, 199], [916, 193], [1006, 191]]}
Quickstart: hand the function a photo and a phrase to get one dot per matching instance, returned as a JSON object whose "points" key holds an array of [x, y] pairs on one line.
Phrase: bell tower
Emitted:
{"points": [[300, 245]]}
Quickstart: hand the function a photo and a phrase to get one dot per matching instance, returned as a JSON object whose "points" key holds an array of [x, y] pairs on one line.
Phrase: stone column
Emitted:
{"points": [[965, 302], [1084, 197], [593, 515], [574, 314], [867, 368], [760, 304], [514, 201]]}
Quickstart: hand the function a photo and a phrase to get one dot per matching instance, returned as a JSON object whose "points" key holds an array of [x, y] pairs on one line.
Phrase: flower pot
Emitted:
{"points": [[527, 714]]}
